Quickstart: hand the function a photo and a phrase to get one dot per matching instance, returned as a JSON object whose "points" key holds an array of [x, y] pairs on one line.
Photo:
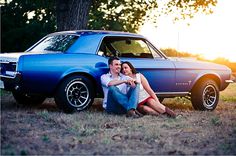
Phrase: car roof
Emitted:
{"points": [[97, 32]]}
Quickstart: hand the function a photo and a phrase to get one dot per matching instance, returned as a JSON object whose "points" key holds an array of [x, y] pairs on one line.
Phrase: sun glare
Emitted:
{"points": [[210, 56], [211, 36]]}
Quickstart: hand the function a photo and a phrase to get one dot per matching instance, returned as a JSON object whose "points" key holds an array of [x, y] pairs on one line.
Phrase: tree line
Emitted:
{"points": [[23, 22], [219, 60], [26, 21]]}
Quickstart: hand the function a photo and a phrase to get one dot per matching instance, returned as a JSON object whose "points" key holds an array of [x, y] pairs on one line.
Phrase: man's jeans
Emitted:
{"points": [[120, 103]]}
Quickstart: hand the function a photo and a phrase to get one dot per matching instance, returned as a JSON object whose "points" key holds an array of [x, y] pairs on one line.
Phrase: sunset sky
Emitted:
{"points": [[211, 36]]}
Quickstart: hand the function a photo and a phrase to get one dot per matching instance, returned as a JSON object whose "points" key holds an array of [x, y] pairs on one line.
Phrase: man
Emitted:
{"points": [[120, 91]]}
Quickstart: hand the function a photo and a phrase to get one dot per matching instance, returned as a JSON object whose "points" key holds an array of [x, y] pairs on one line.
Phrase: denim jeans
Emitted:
{"points": [[120, 103]]}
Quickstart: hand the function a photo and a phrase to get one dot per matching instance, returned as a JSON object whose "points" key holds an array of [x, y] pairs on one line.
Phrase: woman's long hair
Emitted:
{"points": [[134, 71]]}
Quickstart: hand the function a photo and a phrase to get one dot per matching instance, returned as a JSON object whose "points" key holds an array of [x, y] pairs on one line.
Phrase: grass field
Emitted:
{"points": [[46, 131], [229, 95]]}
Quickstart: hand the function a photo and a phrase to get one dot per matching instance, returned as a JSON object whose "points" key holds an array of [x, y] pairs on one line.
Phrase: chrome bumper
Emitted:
{"points": [[229, 81], [1, 84], [10, 83]]}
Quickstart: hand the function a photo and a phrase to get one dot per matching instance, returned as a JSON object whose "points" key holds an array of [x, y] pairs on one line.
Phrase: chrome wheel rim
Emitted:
{"points": [[209, 96], [77, 94]]}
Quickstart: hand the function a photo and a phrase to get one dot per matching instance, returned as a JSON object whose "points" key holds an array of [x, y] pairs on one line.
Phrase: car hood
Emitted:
{"points": [[191, 63]]}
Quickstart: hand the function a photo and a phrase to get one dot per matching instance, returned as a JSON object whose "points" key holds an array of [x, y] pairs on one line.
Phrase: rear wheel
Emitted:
{"points": [[74, 93], [27, 99], [205, 95]]}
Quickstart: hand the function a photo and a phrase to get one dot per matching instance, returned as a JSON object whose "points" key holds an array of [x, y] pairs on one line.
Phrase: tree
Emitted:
{"points": [[72, 14], [126, 15], [174, 53], [102, 14], [129, 15], [182, 9], [26, 21], [122, 15]]}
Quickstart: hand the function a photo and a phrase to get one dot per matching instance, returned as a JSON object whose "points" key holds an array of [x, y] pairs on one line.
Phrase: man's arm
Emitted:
{"points": [[116, 82], [107, 81], [128, 80]]}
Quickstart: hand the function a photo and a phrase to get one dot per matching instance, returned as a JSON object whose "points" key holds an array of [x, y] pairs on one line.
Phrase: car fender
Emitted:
{"points": [[92, 75], [207, 74]]}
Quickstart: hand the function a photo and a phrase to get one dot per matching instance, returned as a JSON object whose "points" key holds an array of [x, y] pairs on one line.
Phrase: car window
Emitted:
{"points": [[132, 48], [58, 43], [125, 47], [153, 51]]}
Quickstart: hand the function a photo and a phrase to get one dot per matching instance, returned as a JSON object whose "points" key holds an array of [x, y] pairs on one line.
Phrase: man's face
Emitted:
{"points": [[115, 67]]}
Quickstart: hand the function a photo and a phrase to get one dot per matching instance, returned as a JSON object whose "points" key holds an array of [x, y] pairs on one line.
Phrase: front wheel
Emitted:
{"points": [[205, 95], [74, 93]]}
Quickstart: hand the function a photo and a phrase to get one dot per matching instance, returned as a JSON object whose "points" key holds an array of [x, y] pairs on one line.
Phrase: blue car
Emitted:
{"points": [[67, 66]]}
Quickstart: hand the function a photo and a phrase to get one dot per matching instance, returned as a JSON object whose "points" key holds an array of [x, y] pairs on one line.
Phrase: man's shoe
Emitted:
{"points": [[132, 114], [138, 113]]}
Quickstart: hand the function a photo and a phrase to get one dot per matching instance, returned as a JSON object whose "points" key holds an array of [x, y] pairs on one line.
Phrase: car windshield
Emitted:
{"points": [[58, 43]]}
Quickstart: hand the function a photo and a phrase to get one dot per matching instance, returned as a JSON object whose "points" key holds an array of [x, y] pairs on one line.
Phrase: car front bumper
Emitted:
{"points": [[11, 83], [229, 81]]}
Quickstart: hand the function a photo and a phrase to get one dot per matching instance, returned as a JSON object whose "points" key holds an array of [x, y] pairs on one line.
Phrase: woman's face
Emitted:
{"points": [[126, 69]]}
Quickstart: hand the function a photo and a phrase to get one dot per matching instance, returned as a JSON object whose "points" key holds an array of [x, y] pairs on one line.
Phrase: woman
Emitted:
{"points": [[148, 101]]}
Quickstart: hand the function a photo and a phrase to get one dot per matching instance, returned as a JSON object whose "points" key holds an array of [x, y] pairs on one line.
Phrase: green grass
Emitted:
{"points": [[229, 94], [216, 121], [3, 92]]}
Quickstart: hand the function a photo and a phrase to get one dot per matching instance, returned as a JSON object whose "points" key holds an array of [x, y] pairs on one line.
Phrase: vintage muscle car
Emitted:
{"points": [[68, 65]]}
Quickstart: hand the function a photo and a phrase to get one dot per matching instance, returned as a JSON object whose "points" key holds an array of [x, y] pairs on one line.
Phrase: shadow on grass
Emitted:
{"points": [[8, 103]]}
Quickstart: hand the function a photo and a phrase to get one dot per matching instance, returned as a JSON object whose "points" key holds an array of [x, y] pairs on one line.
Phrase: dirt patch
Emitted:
{"points": [[47, 131]]}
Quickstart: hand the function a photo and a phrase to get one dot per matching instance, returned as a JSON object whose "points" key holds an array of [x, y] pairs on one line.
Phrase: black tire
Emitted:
{"points": [[74, 93], [205, 95], [28, 100]]}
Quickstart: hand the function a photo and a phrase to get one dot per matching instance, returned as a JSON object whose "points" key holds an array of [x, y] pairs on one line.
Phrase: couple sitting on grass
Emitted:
{"points": [[128, 92]]}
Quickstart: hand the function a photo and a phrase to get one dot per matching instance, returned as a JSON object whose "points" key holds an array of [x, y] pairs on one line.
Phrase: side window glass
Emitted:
{"points": [[133, 48], [104, 50], [153, 51], [125, 47]]}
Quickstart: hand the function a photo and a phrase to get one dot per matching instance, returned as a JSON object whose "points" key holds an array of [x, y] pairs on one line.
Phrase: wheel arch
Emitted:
{"points": [[87, 75], [201, 97], [213, 77]]}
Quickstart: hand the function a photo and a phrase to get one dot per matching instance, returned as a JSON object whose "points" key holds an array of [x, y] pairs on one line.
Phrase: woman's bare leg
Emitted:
{"points": [[147, 110], [156, 105]]}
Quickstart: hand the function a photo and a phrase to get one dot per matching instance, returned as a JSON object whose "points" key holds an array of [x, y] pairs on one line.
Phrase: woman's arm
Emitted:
{"points": [[147, 87]]}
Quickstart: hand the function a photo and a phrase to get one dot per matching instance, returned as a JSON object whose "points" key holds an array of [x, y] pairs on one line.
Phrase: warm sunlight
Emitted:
{"points": [[211, 36]]}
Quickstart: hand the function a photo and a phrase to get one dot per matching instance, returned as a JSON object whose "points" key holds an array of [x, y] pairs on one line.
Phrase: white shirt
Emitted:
{"points": [[143, 95], [106, 78]]}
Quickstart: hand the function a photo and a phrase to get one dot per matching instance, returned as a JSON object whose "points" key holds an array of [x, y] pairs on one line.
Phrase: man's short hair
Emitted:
{"points": [[111, 59]]}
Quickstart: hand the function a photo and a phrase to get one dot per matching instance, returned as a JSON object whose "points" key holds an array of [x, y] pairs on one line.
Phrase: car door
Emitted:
{"points": [[159, 71]]}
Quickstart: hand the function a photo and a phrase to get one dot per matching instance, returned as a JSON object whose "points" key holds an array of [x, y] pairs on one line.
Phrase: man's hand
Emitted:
{"points": [[131, 82]]}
